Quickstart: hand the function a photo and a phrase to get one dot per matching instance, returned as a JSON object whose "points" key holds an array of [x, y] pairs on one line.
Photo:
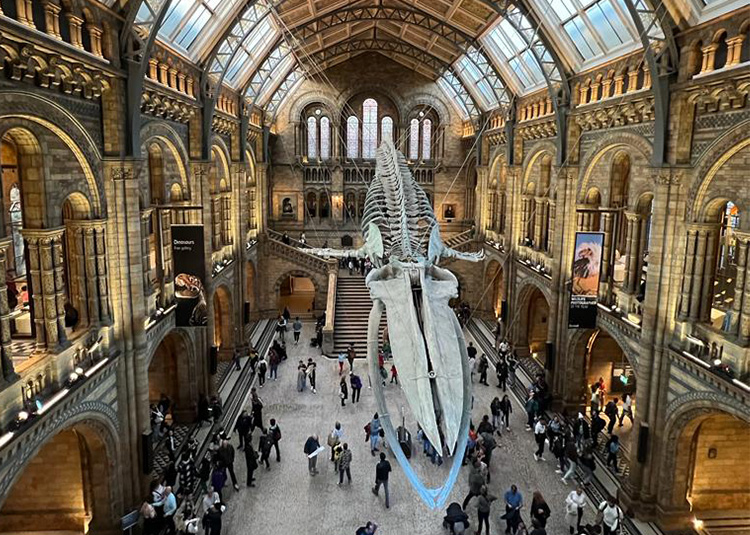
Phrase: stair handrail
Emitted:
{"points": [[329, 327], [460, 238], [322, 265]]}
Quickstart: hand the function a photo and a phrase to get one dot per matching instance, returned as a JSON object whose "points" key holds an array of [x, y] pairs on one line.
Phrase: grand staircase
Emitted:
{"points": [[353, 306]]}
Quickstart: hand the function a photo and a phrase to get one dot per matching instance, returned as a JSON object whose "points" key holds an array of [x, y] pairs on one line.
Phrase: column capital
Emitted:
{"points": [[36, 236]]}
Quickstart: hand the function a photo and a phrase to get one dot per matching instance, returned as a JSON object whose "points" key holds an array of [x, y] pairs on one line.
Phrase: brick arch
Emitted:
{"points": [[623, 140], [518, 322], [83, 142], [97, 422], [168, 137], [296, 273], [711, 164], [373, 89], [307, 98], [539, 149], [425, 100], [684, 415]]}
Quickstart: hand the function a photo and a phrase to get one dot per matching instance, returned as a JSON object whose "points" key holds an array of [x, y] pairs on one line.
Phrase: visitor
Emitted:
{"points": [[367, 529], [335, 438], [374, 433], [281, 324], [513, 504], [539, 509], [501, 371], [265, 443], [487, 443], [557, 447], [495, 411], [226, 458], [627, 409], [301, 376], [151, 523], [311, 447], [581, 430], [344, 464], [219, 479], [356, 384], [588, 464], [536, 528], [485, 426], [274, 359], [216, 409], [394, 374], [571, 457], [484, 502], [297, 329], [471, 350], [597, 426], [382, 470], [482, 366], [209, 499], [262, 368], [611, 515], [185, 520], [343, 391], [574, 504], [212, 520], [342, 360], [274, 432], [610, 410], [612, 447], [594, 398], [204, 411], [512, 365], [350, 356], [476, 482], [170, 508], [251, 463], [455, 519], [312, 374], [532, 408], [171, 445], [242, 427], [506, 408], [287, 315], [472, 367], [540, 435]]}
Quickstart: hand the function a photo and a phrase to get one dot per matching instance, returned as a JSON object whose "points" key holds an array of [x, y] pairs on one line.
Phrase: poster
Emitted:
{"points": [[190, 275], [587, 262]]}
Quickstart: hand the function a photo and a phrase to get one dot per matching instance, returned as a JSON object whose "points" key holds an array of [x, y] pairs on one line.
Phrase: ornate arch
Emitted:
{"points": [[430, 101], [303, 100], [626, 140], [296, 273], [96, 416], [170, 138], [714, 158], [184, 337], [526, 288], [372, 89], [681, 412]]}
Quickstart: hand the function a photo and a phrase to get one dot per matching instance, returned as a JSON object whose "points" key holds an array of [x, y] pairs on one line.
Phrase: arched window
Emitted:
{"points": [[369, 128], [352, 137], [414, 139], [386, 129], [426, 139], [312, 138], [325, 138]]}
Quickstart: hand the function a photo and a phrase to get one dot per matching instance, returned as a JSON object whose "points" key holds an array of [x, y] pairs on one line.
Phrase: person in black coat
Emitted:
{"points": [[539, 511], [242, 427], [170, 475], [204, 411], [251, 461], [453, 515], [212, 519]]}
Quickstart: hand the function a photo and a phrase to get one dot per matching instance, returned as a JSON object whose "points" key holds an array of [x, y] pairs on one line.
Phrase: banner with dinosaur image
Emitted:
{"points": [[190, 275], [584, 294]]}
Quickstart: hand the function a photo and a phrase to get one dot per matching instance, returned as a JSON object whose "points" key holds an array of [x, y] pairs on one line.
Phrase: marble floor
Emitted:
{"points": [[287, 500]]}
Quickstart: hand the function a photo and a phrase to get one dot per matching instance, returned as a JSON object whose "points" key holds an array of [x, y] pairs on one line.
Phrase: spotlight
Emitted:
{"points": [[697, 524], [78, 371], [717, 362], [22, 416], [72, 378]]}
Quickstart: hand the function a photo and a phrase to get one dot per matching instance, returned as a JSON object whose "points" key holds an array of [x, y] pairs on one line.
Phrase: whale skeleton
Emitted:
{"points": [[402, 240]]}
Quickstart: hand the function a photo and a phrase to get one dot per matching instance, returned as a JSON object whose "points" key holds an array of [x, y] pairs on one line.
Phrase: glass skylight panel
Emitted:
{"points": [[251, 50], [476, 83], [279, 73], [459, 103], [604, 19], [513, 57], [582, 38]]}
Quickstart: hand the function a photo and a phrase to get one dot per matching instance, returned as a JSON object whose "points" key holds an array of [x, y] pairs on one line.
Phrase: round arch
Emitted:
{"points": [[494, 281], [545, 147], [223, 318], [630, 143], [533, 319], [91, 429], [169, 142], [170, 369], [307, 296]]}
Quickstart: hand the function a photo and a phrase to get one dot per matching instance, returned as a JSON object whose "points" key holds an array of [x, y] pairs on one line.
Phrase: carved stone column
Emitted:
{"points": [[75, 24], [48, 291], [102, 280], [698, 268], [52, 19], [607, 221], [744, 328], [539, 217], [634, 276], [79, 289], [95, 35], [709, 57], [525, 215], [9, 374], [739, 287], [734, 50], [551, 227], [709, 266], [145, 250], [24, 13]]}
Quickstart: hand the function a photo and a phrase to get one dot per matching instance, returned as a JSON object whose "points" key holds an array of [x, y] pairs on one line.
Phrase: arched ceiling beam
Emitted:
{"points": [[654, 25], [255, 86], [461, 41], [137, 39], [553, 69]]}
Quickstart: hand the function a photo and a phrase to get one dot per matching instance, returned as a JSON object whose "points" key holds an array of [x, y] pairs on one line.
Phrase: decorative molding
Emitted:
{"points": [[616, 114]]}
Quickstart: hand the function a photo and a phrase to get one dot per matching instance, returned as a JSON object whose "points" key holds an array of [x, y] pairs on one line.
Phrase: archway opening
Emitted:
{"points": [[725, 270], [250, 298], [537, 326], [297, 294], [75, 500], [223, 322], [495, 297]]}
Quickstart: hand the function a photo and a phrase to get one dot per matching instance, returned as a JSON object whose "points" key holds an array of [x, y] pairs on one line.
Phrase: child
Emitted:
{"points": [[394, 374]]}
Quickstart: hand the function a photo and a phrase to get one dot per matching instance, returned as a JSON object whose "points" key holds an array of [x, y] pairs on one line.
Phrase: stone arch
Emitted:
{"points": [[494, 281], [220, 159], [22, 106], [374, 90], [307, 98], [31, 176], [299, 274], [523, 317], [171, 370], [224, 318], [533, 155], [685, 414], [429, 101], [622, 141], [96, 423], [171, 141]]}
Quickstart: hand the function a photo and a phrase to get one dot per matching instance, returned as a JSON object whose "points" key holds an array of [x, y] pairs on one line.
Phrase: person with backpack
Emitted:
{"points": [[343, 391], [609, 515], [264, 446], [334, 438], [297, 329], [612, 447], [484, 503], [262, 369], [274, 432], [495, 411]]}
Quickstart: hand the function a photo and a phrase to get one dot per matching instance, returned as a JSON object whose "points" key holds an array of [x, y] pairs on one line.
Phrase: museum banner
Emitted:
{"points": [[584, 294], [190, 275]]}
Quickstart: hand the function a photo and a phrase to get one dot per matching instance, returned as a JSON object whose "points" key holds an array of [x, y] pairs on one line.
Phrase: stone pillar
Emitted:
{"points": [[698, 267], [75, 24], [619, 82], [744, 327], [687, 277], [635, 239], [709, 57], [632, 80], [539, 215], [734, 50], [551, 227], [606, 250], [739, 287], [628, 221], [48, 292], [525, 214], [163, 73], [706, 295], [9, 374], [145, 249], [95, 35], [24, 13], [79, 290], [90, 244], [52, 19], [153, 69]]}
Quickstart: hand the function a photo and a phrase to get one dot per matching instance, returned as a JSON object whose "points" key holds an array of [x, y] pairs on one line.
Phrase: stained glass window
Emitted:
{"points": [[414, 139], [426, 139], [352, 137], [386, 129], [325, 138], [312, 137], [369, 128]]}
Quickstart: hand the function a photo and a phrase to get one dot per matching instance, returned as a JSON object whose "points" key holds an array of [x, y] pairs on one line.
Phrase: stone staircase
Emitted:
{"points": [[353, 306]]}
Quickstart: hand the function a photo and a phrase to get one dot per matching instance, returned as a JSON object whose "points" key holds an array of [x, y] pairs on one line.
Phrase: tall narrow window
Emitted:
{"points": [[426, 139], [369, 128], [352, 137], [325, 138], [414, 139], [312, 138], [16, 224], [386, 129]]}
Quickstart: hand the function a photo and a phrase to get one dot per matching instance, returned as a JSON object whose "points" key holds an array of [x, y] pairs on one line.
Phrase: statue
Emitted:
{"points": [[402, 240]]}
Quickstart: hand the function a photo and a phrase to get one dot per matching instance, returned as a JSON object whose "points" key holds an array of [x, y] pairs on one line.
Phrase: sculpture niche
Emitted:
{"points": [[402, 240]]}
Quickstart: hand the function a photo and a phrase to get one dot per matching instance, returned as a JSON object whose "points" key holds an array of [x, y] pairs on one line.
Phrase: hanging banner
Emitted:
{"points": [[190, 275], [587, 262]]}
